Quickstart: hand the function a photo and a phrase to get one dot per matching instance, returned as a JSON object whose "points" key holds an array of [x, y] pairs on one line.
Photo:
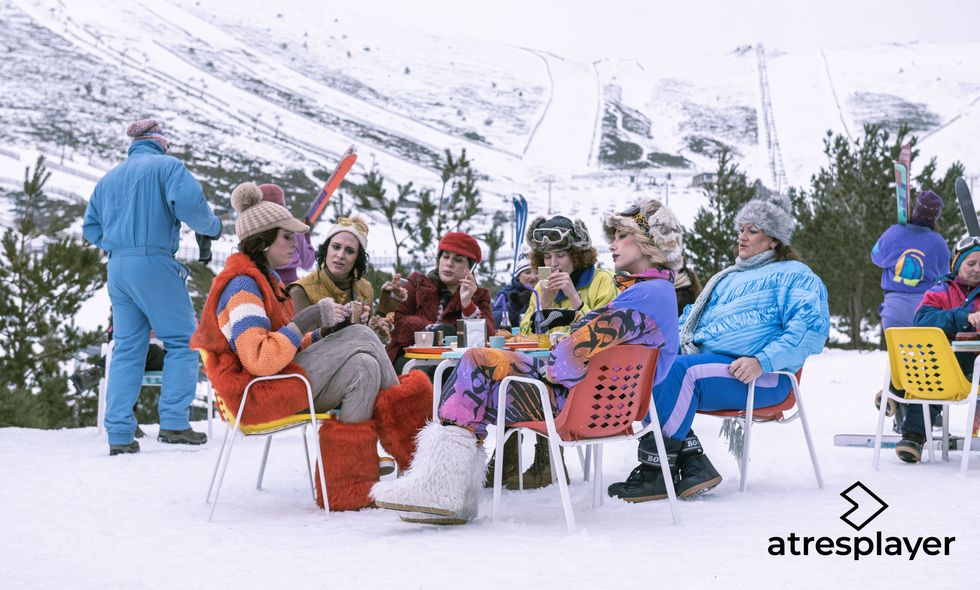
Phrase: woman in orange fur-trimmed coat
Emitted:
{"points": [[249, 329]]}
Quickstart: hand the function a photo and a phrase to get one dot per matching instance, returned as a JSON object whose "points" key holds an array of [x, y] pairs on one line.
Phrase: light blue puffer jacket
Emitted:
{"points": [[137, 207], [777, 313]]}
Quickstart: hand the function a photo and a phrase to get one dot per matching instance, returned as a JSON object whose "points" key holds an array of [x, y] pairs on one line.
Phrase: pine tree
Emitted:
{"points": [[851, 203], [494, 239], [416, 218], [371, 195], [950, 223], [710, 243], [44, 279], [461, 207]]}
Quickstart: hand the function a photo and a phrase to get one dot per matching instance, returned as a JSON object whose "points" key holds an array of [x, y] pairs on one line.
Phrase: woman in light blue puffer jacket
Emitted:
{"points": [[767, 312]]}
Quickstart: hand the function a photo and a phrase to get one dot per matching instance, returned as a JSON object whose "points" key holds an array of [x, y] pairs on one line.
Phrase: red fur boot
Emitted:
{"points": [[350, 458], [401, 412]]}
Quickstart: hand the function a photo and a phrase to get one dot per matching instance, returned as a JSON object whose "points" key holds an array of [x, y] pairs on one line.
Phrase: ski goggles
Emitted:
{"points": [[550, 235], [968, 241], [640, 219]]}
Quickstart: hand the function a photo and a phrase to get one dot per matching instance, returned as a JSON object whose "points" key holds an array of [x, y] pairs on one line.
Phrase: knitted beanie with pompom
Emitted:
{"points": [[256, 216]]}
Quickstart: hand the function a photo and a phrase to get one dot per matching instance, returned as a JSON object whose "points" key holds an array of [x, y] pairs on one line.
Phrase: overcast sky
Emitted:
{"points": [[631, 29]]}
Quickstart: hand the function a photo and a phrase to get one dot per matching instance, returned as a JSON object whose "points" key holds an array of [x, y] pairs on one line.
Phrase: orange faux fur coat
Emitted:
{"points": [[267, 400]]}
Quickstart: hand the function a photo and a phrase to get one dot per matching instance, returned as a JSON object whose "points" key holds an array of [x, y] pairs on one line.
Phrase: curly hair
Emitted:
{"points": [[580, 258], [360, 263], [254, 247]]}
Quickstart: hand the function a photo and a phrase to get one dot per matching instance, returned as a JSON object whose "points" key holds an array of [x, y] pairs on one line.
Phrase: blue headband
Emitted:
{"points": [[960, 257]]}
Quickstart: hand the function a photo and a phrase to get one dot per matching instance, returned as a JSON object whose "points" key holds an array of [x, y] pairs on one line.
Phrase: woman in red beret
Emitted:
{"points": [[444, 295]]}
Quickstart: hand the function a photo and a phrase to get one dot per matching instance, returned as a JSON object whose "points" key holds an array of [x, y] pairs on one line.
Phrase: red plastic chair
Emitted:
{"points": [[774, 414], [602, 408]]}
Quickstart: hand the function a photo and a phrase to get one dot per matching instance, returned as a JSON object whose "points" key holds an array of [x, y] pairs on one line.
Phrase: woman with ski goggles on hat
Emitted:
{"points": [[953, 306], [574, 283], [574, 287]]}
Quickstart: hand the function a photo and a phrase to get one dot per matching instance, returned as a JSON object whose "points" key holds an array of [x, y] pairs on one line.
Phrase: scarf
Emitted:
{"points": [[625, 280], [701, 303]]}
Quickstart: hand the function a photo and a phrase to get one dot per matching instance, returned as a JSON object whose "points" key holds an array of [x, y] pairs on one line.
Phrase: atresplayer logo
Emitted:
{"points": [[862, 501]]}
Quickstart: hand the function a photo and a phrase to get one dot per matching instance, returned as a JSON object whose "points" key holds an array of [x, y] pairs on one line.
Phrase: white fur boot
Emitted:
{"points": [[471, 505], [447, 468]]}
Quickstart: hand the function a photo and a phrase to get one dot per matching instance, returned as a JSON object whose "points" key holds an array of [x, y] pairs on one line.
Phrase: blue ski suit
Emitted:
{"points": [[134, 215]]}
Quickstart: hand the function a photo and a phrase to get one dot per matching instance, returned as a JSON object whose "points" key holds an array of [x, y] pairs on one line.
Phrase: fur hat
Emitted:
{"points": [[656, 229], [463, 244], [148, 129], [273, 193], [771, 212], [256, 216], [558, 233], [355, 225], [928, 206]]}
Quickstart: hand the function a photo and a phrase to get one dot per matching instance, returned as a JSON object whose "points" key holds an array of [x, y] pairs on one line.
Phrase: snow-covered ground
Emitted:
{"points": [[73, 517]]}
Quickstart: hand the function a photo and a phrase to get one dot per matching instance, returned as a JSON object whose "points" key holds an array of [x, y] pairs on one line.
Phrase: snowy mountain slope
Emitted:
{"points": [[269, 88]]}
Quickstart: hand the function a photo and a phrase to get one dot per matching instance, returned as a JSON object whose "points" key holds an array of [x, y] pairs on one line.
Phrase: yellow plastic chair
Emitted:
{"points": [[922, 364], [269, 429]]}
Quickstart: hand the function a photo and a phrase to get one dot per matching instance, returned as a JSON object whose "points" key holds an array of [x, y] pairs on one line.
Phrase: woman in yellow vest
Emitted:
{"points": [[574, 287], [341, 261]]}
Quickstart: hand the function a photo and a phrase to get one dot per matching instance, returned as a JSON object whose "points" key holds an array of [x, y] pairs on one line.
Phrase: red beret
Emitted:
{"points": [[458, 242], [273, 193]]}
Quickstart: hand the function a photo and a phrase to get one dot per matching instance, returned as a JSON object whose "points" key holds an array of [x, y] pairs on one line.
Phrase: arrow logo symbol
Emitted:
{"points": [[855, 505]]}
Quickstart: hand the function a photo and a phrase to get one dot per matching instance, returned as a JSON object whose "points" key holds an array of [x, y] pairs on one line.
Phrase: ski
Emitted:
{"points": [[321, 200], [520, 223], [965, 200], [902, 192], [888, 441]]}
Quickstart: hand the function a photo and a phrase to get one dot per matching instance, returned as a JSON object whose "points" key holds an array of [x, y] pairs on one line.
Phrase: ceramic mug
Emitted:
{"points": [[424, 339]]}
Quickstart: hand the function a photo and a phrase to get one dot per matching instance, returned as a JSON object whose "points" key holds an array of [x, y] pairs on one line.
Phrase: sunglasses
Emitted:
{"points": [[550, 235], [967, 242]]}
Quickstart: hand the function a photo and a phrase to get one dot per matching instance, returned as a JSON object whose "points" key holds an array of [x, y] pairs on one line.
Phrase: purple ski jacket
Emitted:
{"points": [[912, 258]]}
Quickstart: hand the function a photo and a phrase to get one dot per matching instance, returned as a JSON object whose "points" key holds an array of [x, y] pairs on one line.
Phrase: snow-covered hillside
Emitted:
{"points": [[279, 86], [74, 517]]}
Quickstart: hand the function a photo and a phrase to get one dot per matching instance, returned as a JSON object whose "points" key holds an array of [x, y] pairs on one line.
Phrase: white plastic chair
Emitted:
{"points": [[773, 415], [269, 429]]}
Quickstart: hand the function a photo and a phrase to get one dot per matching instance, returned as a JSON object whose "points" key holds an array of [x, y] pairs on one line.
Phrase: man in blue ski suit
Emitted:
{"points": [[134, 215]]}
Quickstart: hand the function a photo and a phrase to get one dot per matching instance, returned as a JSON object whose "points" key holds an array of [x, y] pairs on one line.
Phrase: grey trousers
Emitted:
{"points": [[347, 369]]}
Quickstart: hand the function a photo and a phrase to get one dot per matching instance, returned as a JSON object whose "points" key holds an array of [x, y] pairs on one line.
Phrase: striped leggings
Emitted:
{"points": [[702, 382]]}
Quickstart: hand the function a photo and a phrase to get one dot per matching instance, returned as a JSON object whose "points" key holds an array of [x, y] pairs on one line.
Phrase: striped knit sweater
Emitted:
{"points": [[244, 323]]}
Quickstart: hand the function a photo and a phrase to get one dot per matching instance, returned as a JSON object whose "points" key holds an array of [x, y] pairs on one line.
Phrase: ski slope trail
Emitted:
{"points": [[562, 138]]}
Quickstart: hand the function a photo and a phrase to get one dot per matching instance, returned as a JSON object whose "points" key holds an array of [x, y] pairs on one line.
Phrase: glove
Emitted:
{"points": [[204, 245], [319, 315], [553, 318]]}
